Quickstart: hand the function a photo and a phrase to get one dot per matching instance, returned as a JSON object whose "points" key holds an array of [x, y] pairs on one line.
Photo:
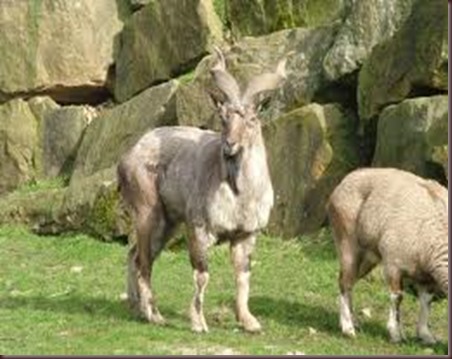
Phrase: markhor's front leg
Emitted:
{"points": [[241, 259], [198, 243]]}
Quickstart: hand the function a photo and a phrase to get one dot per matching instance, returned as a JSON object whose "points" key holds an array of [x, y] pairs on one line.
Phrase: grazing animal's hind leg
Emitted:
{"points": [[241, 257], [348, 261], [394, 280], [198, 244], [347, 279], [423, 331]]}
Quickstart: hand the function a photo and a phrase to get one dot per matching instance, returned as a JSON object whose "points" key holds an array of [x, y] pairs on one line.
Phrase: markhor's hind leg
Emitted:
{"points": [[132, 276], [151, 230]]}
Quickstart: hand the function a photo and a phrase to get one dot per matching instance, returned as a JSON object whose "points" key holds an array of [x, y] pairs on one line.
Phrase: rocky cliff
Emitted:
{"points": [[81, 81]]}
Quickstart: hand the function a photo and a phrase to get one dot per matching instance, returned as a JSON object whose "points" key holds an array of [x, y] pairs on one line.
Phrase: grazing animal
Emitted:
{"points": [[217, 183], [397, 218]]}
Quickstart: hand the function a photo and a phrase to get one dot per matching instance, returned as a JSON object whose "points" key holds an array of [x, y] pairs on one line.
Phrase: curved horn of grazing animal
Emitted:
{"points": [[265, 82], [224, 79]]}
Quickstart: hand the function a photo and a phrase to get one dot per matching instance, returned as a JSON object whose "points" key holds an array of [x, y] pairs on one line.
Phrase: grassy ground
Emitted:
{"points": [[62, 295]]}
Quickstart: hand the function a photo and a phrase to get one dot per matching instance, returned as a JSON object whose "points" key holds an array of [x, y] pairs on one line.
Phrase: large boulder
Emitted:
{"points": [[367, 23], [163, 40], [61, 47], [260, 17], [310, 150], [18, 144], [413, 62], [62, 131], [413, 135], [116, 129]]}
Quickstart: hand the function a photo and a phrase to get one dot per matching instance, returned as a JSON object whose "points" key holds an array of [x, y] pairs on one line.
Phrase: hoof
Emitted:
{"points": [[153, 317], [349, 332], [251, 325], [348, 329], [427, 338], [199, 328], [397, 337], [198, 323], [157, 319]]}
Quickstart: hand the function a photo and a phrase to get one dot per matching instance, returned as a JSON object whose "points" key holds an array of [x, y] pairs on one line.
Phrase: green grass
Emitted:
{"points": [[44, 184], [61, 295]]}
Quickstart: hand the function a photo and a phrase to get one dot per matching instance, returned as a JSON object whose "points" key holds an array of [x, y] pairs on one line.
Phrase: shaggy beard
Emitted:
{"points": [[232, 165]]}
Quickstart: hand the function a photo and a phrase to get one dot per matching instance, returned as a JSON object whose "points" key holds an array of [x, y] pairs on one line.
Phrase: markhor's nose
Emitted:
{"points": [[228, 147]]}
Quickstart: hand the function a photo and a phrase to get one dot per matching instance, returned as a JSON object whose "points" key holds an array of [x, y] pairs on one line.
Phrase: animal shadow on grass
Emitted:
{"points": [[307, 315], [291, 313], [76, 304]]}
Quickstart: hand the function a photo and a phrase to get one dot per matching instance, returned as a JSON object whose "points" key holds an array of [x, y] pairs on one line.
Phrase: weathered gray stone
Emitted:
{"points": [[310, 149], [58, 47], [260, 17], [195, 107], [18, 144], [41, 106], [415, 59], [62, 131], [116, 129], [412, 135], [162, 40], [367, 23]]}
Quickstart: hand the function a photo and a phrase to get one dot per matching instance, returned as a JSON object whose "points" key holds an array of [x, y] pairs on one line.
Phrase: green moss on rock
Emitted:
{"points": [[259, 17], [108, 218]]}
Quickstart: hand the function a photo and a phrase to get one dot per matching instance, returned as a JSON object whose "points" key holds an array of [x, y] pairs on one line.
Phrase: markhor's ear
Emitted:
{"points": [[265, 82]]}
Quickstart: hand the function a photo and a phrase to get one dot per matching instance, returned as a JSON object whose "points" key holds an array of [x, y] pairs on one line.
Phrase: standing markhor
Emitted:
{"points": [[218, 184]]}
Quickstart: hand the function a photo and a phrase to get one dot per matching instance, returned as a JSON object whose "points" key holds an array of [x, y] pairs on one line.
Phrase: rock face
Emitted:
{"points": [[18, 144], [260, 17], [367, 23], [415, 60], [310, 149], [412, 135], [62, 131], [61, 47], [115, 130], [162, 40]]}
